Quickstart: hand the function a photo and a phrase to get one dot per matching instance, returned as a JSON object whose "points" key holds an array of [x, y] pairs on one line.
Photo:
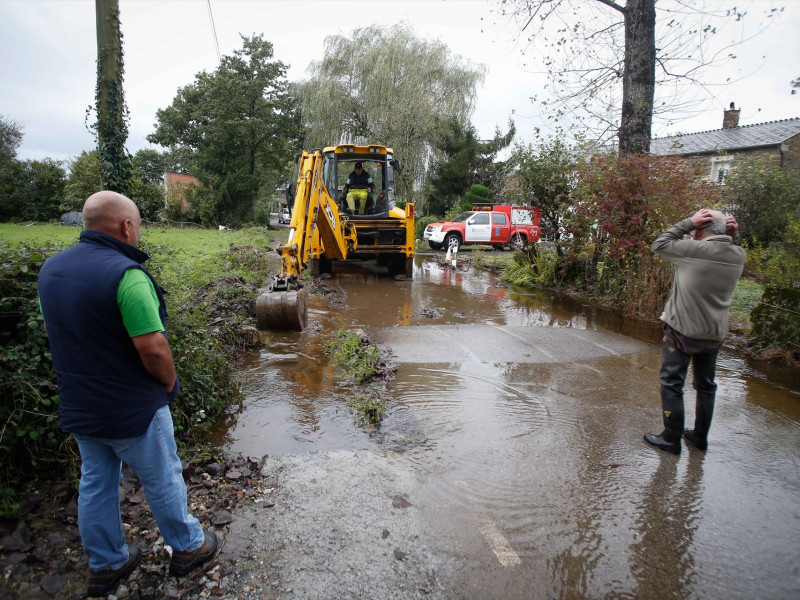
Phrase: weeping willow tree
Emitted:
{"points": [[388, 86]]}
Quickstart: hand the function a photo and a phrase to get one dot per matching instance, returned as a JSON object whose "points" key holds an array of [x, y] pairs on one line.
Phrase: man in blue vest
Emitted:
{"points": [[105, 317]]}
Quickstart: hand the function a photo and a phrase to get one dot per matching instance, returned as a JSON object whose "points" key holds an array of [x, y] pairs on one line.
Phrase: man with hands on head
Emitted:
{"points": [[106, 323], [706, 269]]}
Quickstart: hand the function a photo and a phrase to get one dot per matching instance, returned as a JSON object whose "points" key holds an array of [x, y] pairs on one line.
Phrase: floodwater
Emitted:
{"points": [[523, 415]]}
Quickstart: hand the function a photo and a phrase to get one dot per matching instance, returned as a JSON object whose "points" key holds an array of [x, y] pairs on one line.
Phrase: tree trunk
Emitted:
{"points": [[639, 77], [111, 126]]}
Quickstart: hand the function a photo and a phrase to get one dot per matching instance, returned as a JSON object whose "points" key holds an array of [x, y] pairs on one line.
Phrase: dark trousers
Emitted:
{"points": [[674, 366]]}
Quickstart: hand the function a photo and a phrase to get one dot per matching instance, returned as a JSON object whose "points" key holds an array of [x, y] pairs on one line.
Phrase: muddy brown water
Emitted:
{"points": [[522, 414]]}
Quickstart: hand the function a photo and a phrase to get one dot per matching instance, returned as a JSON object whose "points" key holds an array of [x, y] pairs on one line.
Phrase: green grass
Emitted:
{"points": [[192, 241], [181, 259], [37, 235]]}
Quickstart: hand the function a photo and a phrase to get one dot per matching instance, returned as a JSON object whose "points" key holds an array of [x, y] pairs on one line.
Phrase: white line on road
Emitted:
{"points": [[500, 546], [497, 541]]}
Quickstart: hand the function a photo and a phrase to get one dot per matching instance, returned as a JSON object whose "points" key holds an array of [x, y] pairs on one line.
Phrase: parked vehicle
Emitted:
{"points": [[285, 217], [498, 225]]}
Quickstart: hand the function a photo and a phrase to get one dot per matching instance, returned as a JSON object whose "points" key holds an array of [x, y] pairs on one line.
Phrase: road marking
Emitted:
{"points": [[526, 341], [500, 546], [497, 541]]}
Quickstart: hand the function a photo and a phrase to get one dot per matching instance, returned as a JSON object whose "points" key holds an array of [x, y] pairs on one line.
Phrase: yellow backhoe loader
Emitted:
{"points": [[331, 227]]}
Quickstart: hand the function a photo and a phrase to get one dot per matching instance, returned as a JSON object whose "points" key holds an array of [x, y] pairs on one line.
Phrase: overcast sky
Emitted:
{"points": [[48, 59]]}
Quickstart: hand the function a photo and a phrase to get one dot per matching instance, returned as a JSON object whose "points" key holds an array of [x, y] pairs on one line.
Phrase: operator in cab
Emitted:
{"points": [[358, 190]]}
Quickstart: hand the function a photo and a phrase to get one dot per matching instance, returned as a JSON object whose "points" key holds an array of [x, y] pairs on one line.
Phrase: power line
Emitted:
{"points": [[213, 30]]}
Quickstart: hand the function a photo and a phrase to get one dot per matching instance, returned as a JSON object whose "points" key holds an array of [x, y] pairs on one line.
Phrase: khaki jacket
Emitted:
{"points": [[706, 273]]}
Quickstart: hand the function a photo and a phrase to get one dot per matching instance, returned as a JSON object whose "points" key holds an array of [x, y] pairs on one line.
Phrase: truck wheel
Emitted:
{"points": [[519, 242], [400, 264], [452, 241], [435, 245]]}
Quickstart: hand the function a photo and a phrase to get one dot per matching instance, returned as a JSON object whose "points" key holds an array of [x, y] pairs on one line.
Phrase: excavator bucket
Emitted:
{"points": [[285, 310]]}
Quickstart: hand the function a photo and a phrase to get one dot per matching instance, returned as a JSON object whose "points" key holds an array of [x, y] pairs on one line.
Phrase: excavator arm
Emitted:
{"points": [[317, 227]]}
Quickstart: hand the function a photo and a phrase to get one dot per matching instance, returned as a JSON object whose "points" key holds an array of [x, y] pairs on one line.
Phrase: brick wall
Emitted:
{"points": [[175, 185]]}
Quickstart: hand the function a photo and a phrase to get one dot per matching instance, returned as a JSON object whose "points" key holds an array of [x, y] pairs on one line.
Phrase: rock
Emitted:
{"points": [[400, 502], [19, 539], [223, 517]]}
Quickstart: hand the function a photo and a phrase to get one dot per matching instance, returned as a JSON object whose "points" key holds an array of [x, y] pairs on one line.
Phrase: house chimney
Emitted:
{"points": [[730, 118]]}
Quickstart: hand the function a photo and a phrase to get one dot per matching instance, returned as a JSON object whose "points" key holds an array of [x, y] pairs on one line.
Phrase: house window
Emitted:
{"points": [[720, 166]]}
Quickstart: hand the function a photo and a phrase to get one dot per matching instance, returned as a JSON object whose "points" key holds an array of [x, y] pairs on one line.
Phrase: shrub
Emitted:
{"points": [[421, 224], [30, 438], [622, 204], [477, 194], [762, 196], [776, 320]]}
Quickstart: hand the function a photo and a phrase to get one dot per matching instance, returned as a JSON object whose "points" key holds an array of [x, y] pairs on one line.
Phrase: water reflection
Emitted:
{"points": [[663, 562]]}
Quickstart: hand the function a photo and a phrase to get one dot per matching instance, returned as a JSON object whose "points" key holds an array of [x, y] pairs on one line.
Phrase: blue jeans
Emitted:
{"points": [[154, 458]]}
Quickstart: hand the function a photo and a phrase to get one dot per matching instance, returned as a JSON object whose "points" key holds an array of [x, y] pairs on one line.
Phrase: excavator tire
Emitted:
{"points": [[282, 310]]}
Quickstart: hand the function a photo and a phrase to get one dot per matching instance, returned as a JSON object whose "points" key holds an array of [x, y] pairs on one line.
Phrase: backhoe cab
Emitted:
{"points": [[326, 233]]}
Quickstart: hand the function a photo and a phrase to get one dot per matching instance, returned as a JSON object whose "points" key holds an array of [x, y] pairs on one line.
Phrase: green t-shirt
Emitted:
{"points": [[138, 303]]}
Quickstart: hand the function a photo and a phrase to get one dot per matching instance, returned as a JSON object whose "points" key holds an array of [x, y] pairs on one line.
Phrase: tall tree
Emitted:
{"points": [[241, 124], [10, 140], [112, 114], [388, 86], [41, 189], [612, 65], [84, 179], [463, 160]]}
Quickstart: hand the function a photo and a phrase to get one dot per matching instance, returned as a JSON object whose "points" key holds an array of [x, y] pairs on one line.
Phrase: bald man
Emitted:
{"points": [[695, 317], [106, 323]]}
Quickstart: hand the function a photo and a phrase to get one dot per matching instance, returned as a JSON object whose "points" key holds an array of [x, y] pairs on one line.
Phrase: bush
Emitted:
{"points": [[776, 320], [30, 438], [477, 194], [762, 196], [622, 204], [421, 224]]}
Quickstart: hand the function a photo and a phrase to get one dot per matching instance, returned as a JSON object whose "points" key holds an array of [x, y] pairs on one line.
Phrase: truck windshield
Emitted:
{"points": [[463, 217]]}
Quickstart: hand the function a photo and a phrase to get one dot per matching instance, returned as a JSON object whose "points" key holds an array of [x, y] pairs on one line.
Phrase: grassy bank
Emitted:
{"points": [[211, 278]]}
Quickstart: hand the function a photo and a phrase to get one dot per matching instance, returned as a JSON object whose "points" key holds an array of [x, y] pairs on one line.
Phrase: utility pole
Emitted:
{"points": [[112, 114]]}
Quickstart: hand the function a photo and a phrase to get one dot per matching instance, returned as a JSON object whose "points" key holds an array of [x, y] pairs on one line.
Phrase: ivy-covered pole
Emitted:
{"points": [[112, 114]]}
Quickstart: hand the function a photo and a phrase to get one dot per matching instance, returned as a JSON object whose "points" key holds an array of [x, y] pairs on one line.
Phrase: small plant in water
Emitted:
{"points": [[354, 353], [369, 409]]}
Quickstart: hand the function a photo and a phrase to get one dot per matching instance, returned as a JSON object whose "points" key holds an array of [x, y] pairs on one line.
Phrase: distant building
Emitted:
{"points": [[776, 142], [176, 186]]}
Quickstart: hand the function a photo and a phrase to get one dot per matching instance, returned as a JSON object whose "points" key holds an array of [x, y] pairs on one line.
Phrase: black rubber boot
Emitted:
{"points": [[698, 436], [669, 439]]}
